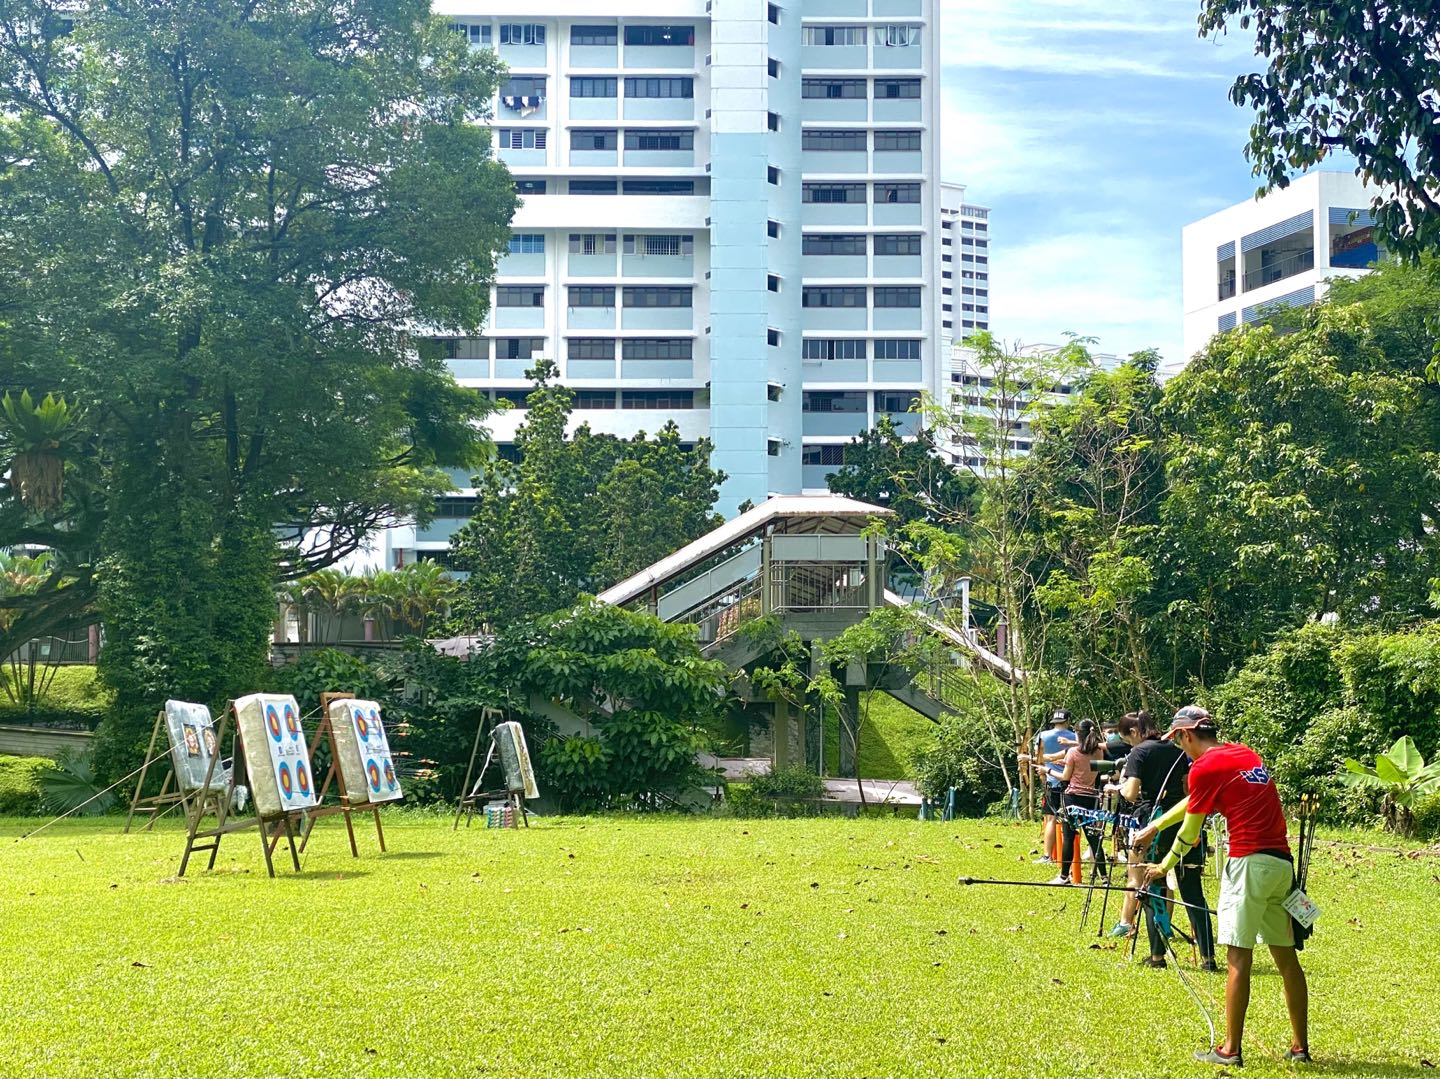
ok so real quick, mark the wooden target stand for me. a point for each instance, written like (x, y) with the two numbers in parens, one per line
(151, 804)
(472, 795)
(271, 828)
(324, 729)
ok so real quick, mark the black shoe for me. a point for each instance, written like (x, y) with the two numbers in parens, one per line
(1210, 967)
(1152, 961)
(1298, 1056)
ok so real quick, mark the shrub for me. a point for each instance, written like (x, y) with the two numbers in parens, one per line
(1426, 817)
(327, 670)
(962, 756)
(74, 699)
(791, 791)
(20, 791)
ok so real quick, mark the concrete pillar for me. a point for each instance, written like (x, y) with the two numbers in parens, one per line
(780, 726)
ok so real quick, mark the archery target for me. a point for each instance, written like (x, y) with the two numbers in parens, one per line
(191, 759)
(275, 753)
(363, 751)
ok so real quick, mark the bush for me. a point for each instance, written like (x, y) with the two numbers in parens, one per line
(20, 791)
(74, 699)
(791, 791)
(330, 669)
(962, 756)
(1427, 817)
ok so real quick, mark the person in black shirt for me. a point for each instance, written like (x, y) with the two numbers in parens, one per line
(1154, 779)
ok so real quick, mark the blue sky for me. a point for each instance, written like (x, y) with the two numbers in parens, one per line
(1095, 130)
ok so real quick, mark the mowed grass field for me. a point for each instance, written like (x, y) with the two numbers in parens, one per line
(660, 946)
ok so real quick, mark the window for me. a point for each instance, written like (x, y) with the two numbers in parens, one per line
(590, 348)
(465, 348)
(527, 243)
(832, 35)
(772, 337)
(832, 401)
(897, 296)
(822, 455)
(591, 296)
(832, 88)
(514, 398)
(592, 187)
(772, 174)
(529, 187)
(455, 506)
(594, 139)
(652, 296)
(895, 400)
(891, 89)
(659, 87)
(517, 87)
(897, 193)
(657, 399)
(908, 349)
(522, 138)
(833, 140)
(658, 348)
(518, 348)
(772, 121)
(595, 35)
(902, 243)
(662, 244)
(660, 140)
(773, 65)
(772, 282)
(592, 243)
(475, 34)
(833, 244)
(773, 14)
(832, 193)
(520, 296)
(772, 229)
(594, 398)
(897, 36)
(833, 348)
(832, 296)
(897, 140)
(522, 33)
(592, 86)
(660, 35)
(659, 187)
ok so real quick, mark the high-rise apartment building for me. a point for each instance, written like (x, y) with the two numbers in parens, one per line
(728, 221)
(1277, 251)
(964, 266)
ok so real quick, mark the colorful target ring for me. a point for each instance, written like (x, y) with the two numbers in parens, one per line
(302, 778)
(272, 721)
(287, 784)
(390, 780)
(292, 723)
(361, 727)
(373, 771)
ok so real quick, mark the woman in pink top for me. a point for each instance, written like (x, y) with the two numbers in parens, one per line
(1080, 790)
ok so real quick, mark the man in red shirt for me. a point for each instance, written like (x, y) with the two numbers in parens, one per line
(1232, 780)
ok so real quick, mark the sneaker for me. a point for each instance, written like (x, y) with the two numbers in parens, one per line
(1298, 1056)
(1044, 859)
(1210, 967)
(1214, 1056)
(1152, 961)
(1122, 929)
(1060, 878)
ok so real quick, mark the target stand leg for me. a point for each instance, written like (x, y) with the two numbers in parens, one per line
(267, 846)
(379, 831)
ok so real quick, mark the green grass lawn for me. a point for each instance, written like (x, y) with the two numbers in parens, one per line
(648, 947)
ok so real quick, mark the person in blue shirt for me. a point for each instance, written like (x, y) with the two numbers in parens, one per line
(1049, 751)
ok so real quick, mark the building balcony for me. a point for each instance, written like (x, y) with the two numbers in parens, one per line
(521, 158)
(834, 109)
(594, 56)
(823, 424)
(513, 368)
(898, 213)
(588, 213)
(833, 162)
(899, 109)
(590, 318)
(906, 423)
(834, 318)
(910, 57)
(833, 371)
(1289, 266)
(515, 113)
(523, 56)
(835, 9)
(657, 370)
(659, 266)
(582, 159)
(463, 369)
(657, 318)
(590, 265)
(577, 369)
(911, 266)
(899, 371)
(660, 108)
(899, 162)
(834, 57)
(832, 213)
(521, 264)
(847, 267)
(902, 8)
(660, 159)
(517, 318)
(1226, 288)
(440, 530)
(647, 57)
(898, 318)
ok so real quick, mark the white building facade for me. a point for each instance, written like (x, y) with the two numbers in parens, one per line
(728, 220)
(964, 266)
(1278, 251)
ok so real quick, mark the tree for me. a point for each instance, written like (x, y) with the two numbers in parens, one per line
(240, 233)
(1095, 480)
(577, 512)
(1401, 772)
(1302, 471)
(906, 475)
(1356, 76)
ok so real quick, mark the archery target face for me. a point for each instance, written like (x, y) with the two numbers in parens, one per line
(364, 751)
(275, 753)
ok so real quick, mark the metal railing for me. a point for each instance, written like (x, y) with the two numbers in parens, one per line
(1227, 288)
(1278, 271)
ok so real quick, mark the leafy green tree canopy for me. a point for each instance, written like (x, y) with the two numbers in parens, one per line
(1356, 76)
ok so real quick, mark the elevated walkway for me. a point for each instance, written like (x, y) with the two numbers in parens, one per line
(812, 567)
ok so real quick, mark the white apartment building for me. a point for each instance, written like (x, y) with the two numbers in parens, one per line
(728, 220)
(1272, 252)
(964, 266)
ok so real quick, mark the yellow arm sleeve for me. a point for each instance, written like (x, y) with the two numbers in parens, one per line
(1173, 815)
(1187, 838)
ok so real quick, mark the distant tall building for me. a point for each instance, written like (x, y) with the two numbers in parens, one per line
(964, 266)
(728, 220)
(1273, 252)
